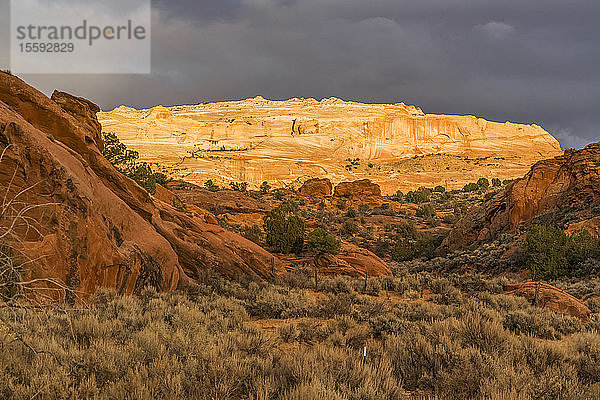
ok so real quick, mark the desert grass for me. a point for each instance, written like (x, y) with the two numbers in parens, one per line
(424, 338)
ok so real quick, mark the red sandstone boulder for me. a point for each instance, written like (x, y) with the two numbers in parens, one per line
(351, 261)
(362, 188)
(316, 188)
(363, 261)
(552, 298)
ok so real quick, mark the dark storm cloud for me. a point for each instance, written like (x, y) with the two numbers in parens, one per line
(526, 61)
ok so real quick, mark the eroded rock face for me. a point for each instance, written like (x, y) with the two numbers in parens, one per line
(284, 142)
(316, 187)
(563, 190)
(362, 261)
(85, 112)
(351, 261)
(359, 189)
(550, 297)
(82, 224)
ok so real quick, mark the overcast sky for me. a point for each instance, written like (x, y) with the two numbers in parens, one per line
(533, 61)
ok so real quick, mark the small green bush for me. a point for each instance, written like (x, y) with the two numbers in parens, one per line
(284, 229)
(426, 211)
(320, 241)
(126, 161)
(421, 195)
(265, 188)
(349, 228)
(483, 183)
(471, 187)
(210, 185)
(407, 250)
(239, 186)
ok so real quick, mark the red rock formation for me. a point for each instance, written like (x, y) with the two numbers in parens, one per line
(351, 261)
(84, 111)
(362, 188)
(547, 296)
(363, 261)
(567, 185)
(316, 188)
(84, 225)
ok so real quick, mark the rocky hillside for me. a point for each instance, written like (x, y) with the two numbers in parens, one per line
(77, 224)
(287, 142)
(564, 190)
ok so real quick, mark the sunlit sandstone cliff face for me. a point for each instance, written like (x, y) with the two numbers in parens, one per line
(286, 142)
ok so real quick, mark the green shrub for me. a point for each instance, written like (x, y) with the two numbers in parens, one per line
(471, 187)
(403, 250)
(496, 182)
(284, 229)
(421, 195)
(349, 228)
(582, 246)
(142, 174)
(483, 183)
(126, 161)
(426, 211)
(265, 188)
(545, 251)
(320, 242)
(210, 185)
(398, 196)
(406, 230)
(489, 195)
(550, 253)
(423, 246)
(239, 187)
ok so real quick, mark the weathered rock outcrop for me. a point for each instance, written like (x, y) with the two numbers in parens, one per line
(80, 225)
(563, 190)
(363, 188)
(229, 201)
(85, 112)
(284, 142)
(550, 297)
(316, 187)
(351, 261)
(362, 261)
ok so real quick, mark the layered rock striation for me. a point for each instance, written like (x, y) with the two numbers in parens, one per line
(287, 142)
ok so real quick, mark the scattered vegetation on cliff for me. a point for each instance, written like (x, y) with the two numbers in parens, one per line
(127, 162)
